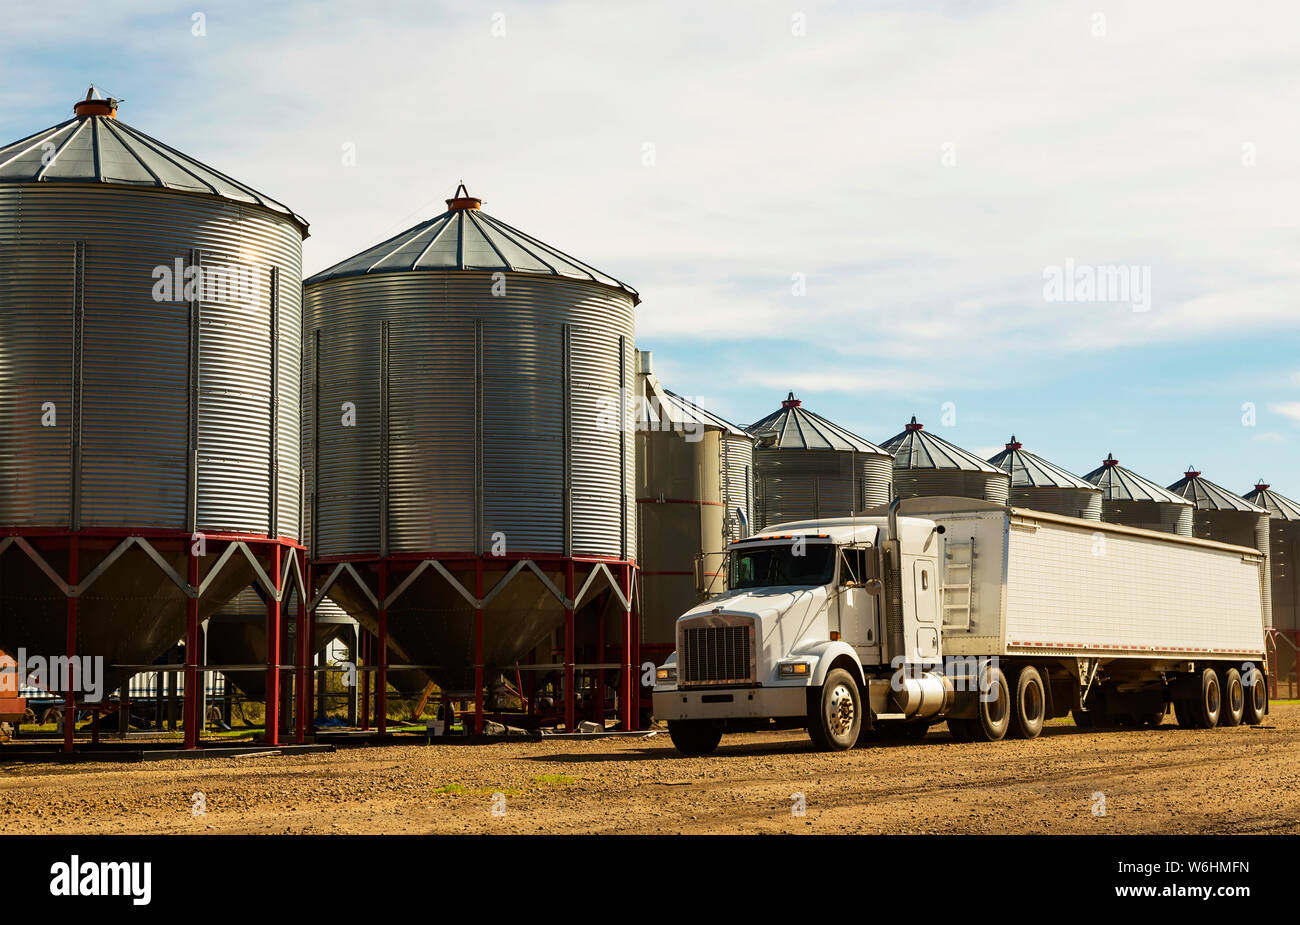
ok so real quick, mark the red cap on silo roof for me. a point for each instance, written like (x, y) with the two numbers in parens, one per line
(914, 426)
(463, 202)
(1110, 460)
(791, 402)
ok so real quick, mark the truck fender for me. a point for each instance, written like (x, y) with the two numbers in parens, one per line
(826, 653)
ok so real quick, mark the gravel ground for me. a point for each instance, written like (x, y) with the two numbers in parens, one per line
(1159, 780)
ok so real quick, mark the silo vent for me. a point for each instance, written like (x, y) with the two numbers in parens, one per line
(95, 105)
(1110, 460)
(465, 201)
(1261, 485)
(1013, 444)
(1191, 473)
(791, 402)
(915, 426)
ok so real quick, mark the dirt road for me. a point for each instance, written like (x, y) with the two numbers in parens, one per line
(1163, 780)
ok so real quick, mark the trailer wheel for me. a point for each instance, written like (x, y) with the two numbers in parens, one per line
(1029, 706)
(1256, 695)
(1234, 698)
(694, 736)
(993, 716)
(835, 712)
(1207, 708)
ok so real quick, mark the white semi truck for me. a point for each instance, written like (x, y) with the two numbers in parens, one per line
(990, 618)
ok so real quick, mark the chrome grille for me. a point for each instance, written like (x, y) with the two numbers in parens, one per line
(717, 654)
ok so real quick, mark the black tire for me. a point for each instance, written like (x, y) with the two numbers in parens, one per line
(960, 730)
(835, 712)
(1085, 719)
(1208, 707)
(694, 736)
(1153, 719)
(993, 714)
(1234, 698)
(1256, 697)
(899, 731)
(1028, 705)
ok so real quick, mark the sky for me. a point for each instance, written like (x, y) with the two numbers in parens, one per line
(1074, 222)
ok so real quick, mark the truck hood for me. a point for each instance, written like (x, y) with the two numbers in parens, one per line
(792, 604)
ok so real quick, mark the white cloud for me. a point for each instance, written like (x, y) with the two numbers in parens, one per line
(1288, 409)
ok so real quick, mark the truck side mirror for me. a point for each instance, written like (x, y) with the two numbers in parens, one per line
(874, 586)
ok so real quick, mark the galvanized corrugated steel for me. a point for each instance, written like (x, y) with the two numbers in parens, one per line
(793, 427)
(464, 238)
(797, 484)
(926, 464)
(1283, 532)
(481, 407)
(146, 435)
(1044, 486)
(807, 467)
(1128, 498)
(104, 150)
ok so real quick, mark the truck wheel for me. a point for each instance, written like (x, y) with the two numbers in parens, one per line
(993, 715)
(694, 736)
(1029, 705)
(1234, 698)
(1207, 708)
(1256, 699)
(835, 713)
(960, 730)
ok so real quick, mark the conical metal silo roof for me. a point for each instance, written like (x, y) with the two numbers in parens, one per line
(1028, 470)
(915, 448)
(1279, 507)
(467, 238)
(1120, 484)
(1207, 496)
(95, 147)
(668, 410)
(793, 427)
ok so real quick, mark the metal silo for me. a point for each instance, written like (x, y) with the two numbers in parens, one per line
(1284, 566)
(1044, 486)
(694, 471)
(1221, 515)
(1129, 499)
(927, 465)
(469, 455)
(150, 314)
(806, 467)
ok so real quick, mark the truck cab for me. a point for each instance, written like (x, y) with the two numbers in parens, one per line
(830, 625)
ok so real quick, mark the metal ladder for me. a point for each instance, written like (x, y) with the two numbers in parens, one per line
(958, 583)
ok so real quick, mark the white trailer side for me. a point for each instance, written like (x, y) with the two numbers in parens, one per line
(1048, 585)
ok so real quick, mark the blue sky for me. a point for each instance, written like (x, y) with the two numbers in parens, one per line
(919, 166)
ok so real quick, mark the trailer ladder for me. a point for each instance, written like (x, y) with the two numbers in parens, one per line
(958, 583)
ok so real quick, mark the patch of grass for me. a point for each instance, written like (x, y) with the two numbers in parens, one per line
(553, 780)
(450, 788)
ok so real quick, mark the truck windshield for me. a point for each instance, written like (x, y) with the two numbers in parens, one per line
(770, 566)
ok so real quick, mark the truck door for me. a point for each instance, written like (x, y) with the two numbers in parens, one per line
(926, 589)
(857, 607)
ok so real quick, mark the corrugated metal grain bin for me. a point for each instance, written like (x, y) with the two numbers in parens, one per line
(1129, 499)
(150, 313)
(1044, 486)
(807, 467)
(1284, 555)
(468, 397)
(926, 464)
(1221, 515)
(693, 473)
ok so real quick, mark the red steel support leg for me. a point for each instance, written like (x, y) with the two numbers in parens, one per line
(303, 691)
(273, 654)
(478, 649)
(629, 683)
(636, 649)
(381, 682)
(364, 637)
(193, 695)
(570, 695)
(70, 695)
(311, 649)
(598, 706)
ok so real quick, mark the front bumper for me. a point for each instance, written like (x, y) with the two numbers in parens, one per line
(731, 703)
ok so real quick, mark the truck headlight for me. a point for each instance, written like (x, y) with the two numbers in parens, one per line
(793, 670)
(666, 673)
